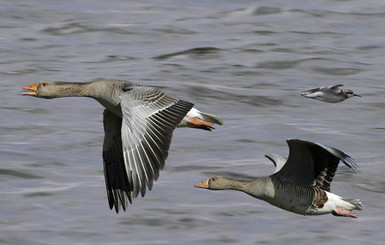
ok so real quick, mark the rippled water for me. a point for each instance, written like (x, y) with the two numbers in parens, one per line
(244, 61)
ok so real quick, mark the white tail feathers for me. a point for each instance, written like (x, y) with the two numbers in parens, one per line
(211, 118)
(356, 202)
(207, 118)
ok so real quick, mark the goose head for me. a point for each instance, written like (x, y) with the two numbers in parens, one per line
(51, 90)
(46, 90)
(215, 183)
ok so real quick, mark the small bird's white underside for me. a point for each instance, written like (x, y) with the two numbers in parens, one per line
(327, 97)
(315, 94)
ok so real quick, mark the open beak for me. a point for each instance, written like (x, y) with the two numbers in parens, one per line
(33, 88)
(203, 184)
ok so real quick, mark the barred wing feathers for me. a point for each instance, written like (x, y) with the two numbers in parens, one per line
(149, 119)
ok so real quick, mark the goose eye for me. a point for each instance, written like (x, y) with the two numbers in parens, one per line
(213, 179)
(44, 84)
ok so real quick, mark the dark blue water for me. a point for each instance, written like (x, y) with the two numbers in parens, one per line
(244, 61)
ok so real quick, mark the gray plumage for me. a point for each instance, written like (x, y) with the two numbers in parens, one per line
(141, 146)
(301, 184)
(138, 124)
(330, 94)
(312, 164)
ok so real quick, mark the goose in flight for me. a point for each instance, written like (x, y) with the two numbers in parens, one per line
(138, 125)
(300, 184)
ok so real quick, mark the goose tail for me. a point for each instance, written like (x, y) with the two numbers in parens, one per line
(211, 118)
(356, 203)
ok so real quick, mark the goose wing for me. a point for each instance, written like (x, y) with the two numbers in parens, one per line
(115, 174)
(278, 161)
(312, 164)
(149, 118)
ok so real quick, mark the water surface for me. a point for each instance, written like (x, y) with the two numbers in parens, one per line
(245, 61)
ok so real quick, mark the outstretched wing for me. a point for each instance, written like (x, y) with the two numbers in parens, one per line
(336, 86)
(149, 118)
(312, 164)
(115, 174)
(314, 91)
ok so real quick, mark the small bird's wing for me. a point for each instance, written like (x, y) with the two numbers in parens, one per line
(149, 118)
(309, 92)
(312, 164)
(336, 86)
(277, 160)
(312, 90)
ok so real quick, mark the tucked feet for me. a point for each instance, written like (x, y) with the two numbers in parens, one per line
(338, 211)
(196, 122)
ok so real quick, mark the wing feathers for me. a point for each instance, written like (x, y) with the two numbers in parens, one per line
(336, 86)
(114, 170)
(312, 164)
(136, 147)
(149, 118)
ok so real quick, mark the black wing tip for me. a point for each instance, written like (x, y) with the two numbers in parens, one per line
(185, 104)
(349, 161)
(346, 159)
(117, 201)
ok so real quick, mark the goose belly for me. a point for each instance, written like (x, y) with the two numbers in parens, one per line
(293, 199)
(302, 200)
(292, 204)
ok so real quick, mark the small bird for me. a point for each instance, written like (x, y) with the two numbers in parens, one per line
(138, 125)
(330, 94)
(301, 182)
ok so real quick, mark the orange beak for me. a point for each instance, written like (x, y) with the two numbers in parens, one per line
(33, 88)
(203, 184)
